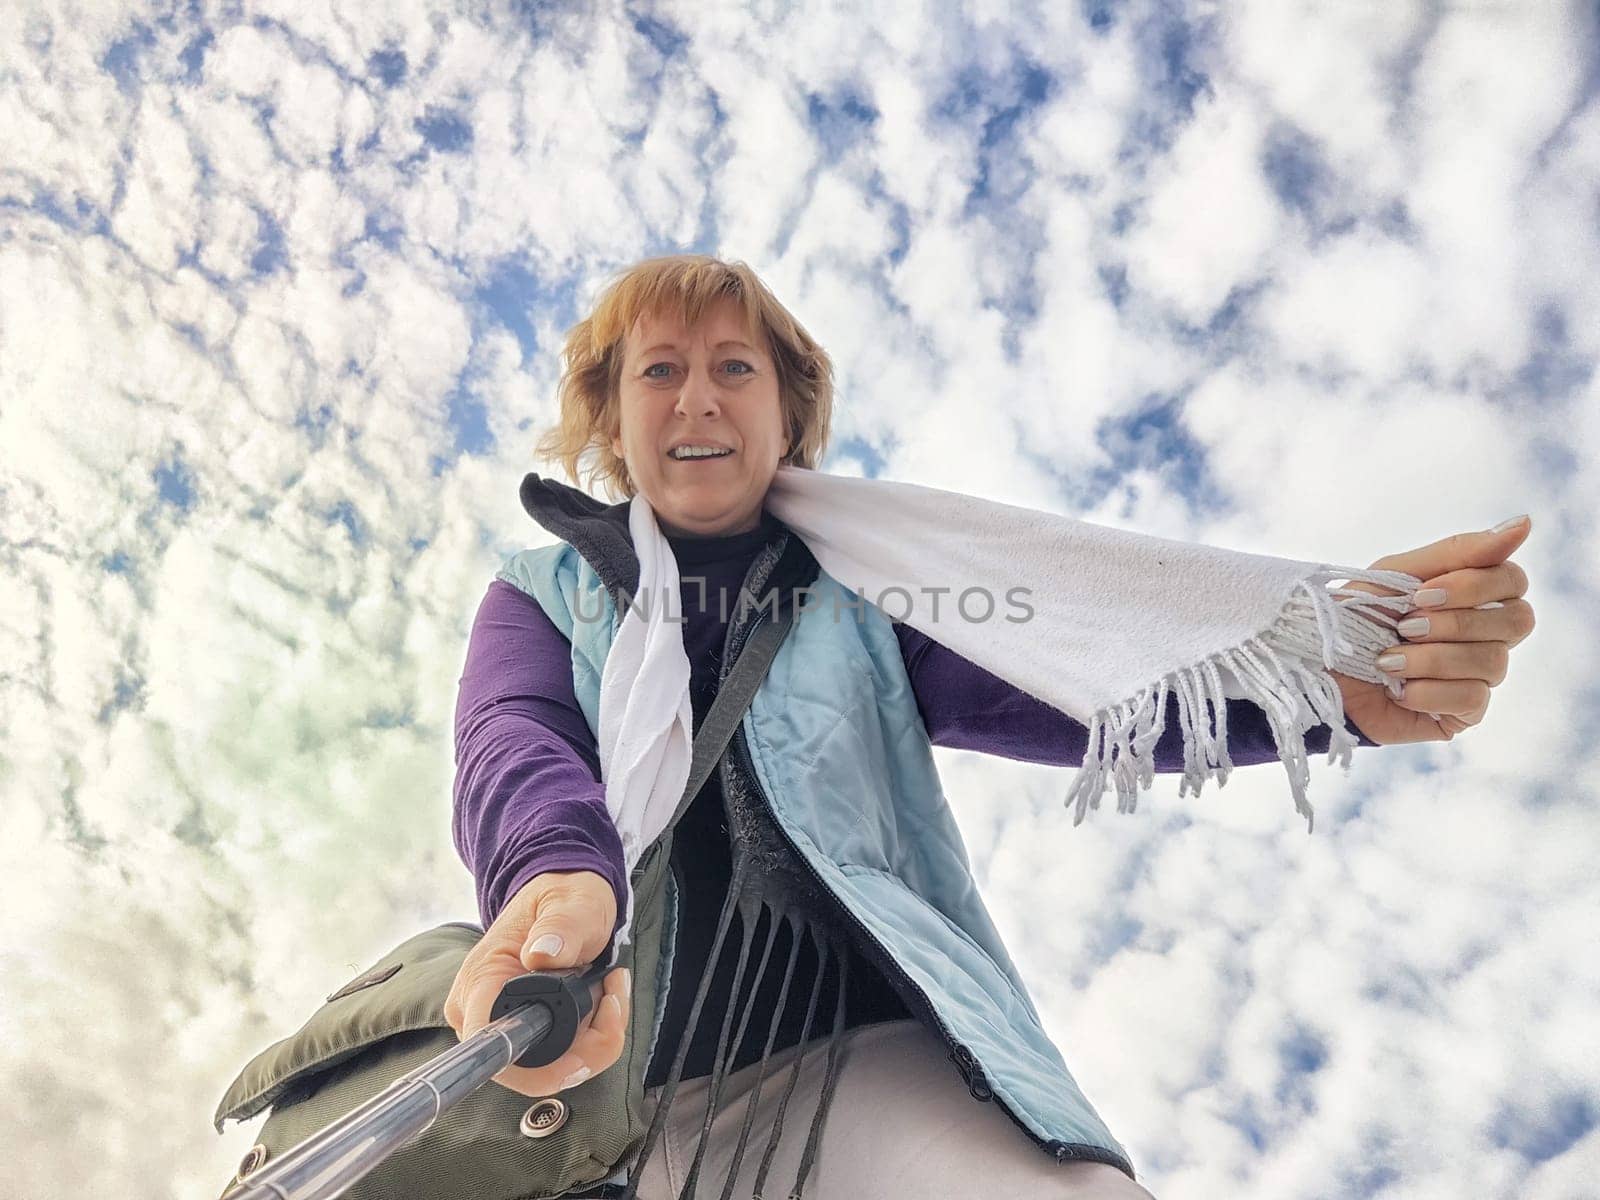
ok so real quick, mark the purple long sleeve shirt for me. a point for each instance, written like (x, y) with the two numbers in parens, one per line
(528, 796)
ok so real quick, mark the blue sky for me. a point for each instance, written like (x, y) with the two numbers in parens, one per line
(282, 291)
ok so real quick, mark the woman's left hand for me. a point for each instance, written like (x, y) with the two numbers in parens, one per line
(1451, 666)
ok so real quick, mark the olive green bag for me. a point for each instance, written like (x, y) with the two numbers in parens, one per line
(390, 1019)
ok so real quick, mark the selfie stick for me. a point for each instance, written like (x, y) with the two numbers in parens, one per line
(532, 1023)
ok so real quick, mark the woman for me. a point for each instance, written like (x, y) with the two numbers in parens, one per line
(683, 353)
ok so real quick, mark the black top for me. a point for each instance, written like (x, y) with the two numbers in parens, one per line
(702, 862)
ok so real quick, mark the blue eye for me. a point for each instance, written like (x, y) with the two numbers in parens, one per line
(740, 361)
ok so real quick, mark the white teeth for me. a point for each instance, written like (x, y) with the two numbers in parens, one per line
(698, 452)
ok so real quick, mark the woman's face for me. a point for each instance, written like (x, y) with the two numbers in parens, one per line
(700, 386)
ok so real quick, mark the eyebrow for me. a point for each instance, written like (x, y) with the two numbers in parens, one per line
(673, 346)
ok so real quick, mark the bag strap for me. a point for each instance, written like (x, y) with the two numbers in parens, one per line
(733, 698)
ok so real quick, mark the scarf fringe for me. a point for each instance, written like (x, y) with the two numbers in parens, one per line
(796, 931)
(669, 1088)
(749, 910)
(1284, 670)
(746, 901)
(803, 1045)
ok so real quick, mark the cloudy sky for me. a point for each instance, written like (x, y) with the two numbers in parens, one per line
(282, 287)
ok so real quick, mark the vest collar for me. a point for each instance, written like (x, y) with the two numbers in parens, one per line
(596, 530)
(599, 532)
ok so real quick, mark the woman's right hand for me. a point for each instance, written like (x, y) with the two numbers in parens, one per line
(580, 908)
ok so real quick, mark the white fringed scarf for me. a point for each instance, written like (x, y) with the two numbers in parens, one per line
(1117, 620)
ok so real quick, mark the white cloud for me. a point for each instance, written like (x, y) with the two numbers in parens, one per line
(211, 817)
(1209, 197)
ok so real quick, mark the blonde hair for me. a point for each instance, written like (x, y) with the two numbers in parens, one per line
(685, 286)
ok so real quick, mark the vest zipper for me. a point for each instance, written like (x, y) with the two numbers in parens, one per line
(977, 1081)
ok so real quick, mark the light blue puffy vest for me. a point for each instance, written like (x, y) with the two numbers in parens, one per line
(842, 755)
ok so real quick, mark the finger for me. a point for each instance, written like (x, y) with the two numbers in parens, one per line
(452, 1009)
(1472, 586)
(619, 994)
(455, 1004)
(1487, 662)
(480, 980)
(548, 1079)
(564, 934)
(609, 1017)
(1509, 623)
(1447, 697)
(1456, 552)
(598, 1044)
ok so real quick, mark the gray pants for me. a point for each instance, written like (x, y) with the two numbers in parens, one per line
(901, 1124)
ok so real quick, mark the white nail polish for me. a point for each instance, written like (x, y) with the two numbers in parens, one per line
(549, 944)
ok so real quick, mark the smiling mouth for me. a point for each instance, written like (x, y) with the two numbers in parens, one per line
(701, 458)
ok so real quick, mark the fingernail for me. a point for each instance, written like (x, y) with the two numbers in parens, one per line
(575, 1078)
(1430, 598)
(627, 979)
(1511, 524)
(1414, 627)
(550, 943)
(1391, 662)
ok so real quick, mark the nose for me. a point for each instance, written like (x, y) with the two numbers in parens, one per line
(697, 397)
